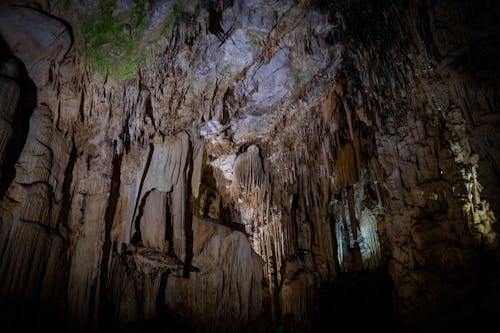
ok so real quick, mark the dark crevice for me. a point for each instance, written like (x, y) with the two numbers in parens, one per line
(225, 218)
(125, 136)
(20, 127)
(161, 305)
(188, 215)
(58, 115)
(356, 302)
(210, 198)
(67, 197)
(89, 161)
(168, 223)
(105, 307)
(276, 305)
(144, 174)
(333, 238)
(88, 324)
(81, 108)
(137, 237)
(227, 101)
(149, 109)
(51, 74)
(214, 22)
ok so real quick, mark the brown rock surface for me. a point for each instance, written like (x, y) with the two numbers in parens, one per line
(267, 151)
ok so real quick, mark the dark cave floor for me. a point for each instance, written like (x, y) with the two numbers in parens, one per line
(355, 302)
(361, 302)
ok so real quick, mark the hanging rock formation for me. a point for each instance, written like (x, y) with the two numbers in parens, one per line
(211, 166)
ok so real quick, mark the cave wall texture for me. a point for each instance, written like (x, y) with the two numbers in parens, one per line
(214, 164)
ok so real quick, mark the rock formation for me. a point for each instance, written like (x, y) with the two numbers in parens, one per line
(211, 166)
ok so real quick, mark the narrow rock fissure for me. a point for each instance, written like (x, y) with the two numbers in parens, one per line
(105, 307)
(137, 236)
(188, 215)
(136, 223)
(66, 187)
(168, 223)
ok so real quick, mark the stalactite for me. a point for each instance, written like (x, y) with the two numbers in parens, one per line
(323, 145)
(247, 172)
(347, 166)
(354, 227)
(198, 159)
(370, 245)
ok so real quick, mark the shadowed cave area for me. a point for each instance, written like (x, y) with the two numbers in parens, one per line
(249, 165)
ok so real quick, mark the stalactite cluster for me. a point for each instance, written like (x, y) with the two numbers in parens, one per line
(266, 152)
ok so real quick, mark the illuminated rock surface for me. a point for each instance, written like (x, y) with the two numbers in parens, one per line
(210, 166)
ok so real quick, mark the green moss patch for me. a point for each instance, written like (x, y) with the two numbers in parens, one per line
(117, 44)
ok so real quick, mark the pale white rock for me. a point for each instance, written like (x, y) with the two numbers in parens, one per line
(251, 127)
(198, 162)
(225, 164)
(269, 83)
(238, 52)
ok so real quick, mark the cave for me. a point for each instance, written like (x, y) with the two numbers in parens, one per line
(249, 165)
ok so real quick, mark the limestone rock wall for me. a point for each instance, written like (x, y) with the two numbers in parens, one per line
(268, 148)
(10, 96)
